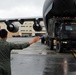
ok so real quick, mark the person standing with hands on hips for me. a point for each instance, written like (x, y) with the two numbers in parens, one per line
(5, 51)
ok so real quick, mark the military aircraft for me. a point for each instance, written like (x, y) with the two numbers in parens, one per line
(60, 21)
(12, 27)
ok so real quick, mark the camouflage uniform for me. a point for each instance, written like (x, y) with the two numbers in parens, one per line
(5, 49)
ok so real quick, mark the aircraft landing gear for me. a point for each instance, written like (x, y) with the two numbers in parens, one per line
(59, 48)
(42, 40)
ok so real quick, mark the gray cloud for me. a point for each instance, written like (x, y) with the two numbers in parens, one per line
(21, 8)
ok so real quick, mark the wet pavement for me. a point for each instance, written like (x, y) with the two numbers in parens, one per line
(23, 64)
(39, 60)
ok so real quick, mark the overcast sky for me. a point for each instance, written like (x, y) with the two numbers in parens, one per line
(21, 8)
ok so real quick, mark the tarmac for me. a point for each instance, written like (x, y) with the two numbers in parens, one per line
(38, 59)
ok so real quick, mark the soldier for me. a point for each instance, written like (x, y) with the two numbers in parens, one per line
(5, 50)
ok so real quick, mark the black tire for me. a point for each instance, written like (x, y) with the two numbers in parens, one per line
(42, 40)
(58, 47)
(51, 45)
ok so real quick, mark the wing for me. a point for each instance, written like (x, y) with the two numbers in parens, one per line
(12, 27)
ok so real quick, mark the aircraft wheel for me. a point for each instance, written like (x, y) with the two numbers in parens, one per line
(51, 44)
(58, 47)
(42, 40)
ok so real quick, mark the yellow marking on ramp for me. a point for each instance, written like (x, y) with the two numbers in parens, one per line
(73, 52)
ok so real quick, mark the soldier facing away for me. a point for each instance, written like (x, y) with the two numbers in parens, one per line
(5, 51)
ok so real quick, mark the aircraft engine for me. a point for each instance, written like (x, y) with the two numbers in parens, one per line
(37, 26)
(12, 27)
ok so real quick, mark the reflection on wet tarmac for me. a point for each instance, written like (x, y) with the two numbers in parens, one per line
(60, 66)
(43, 64)
(38, 60)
